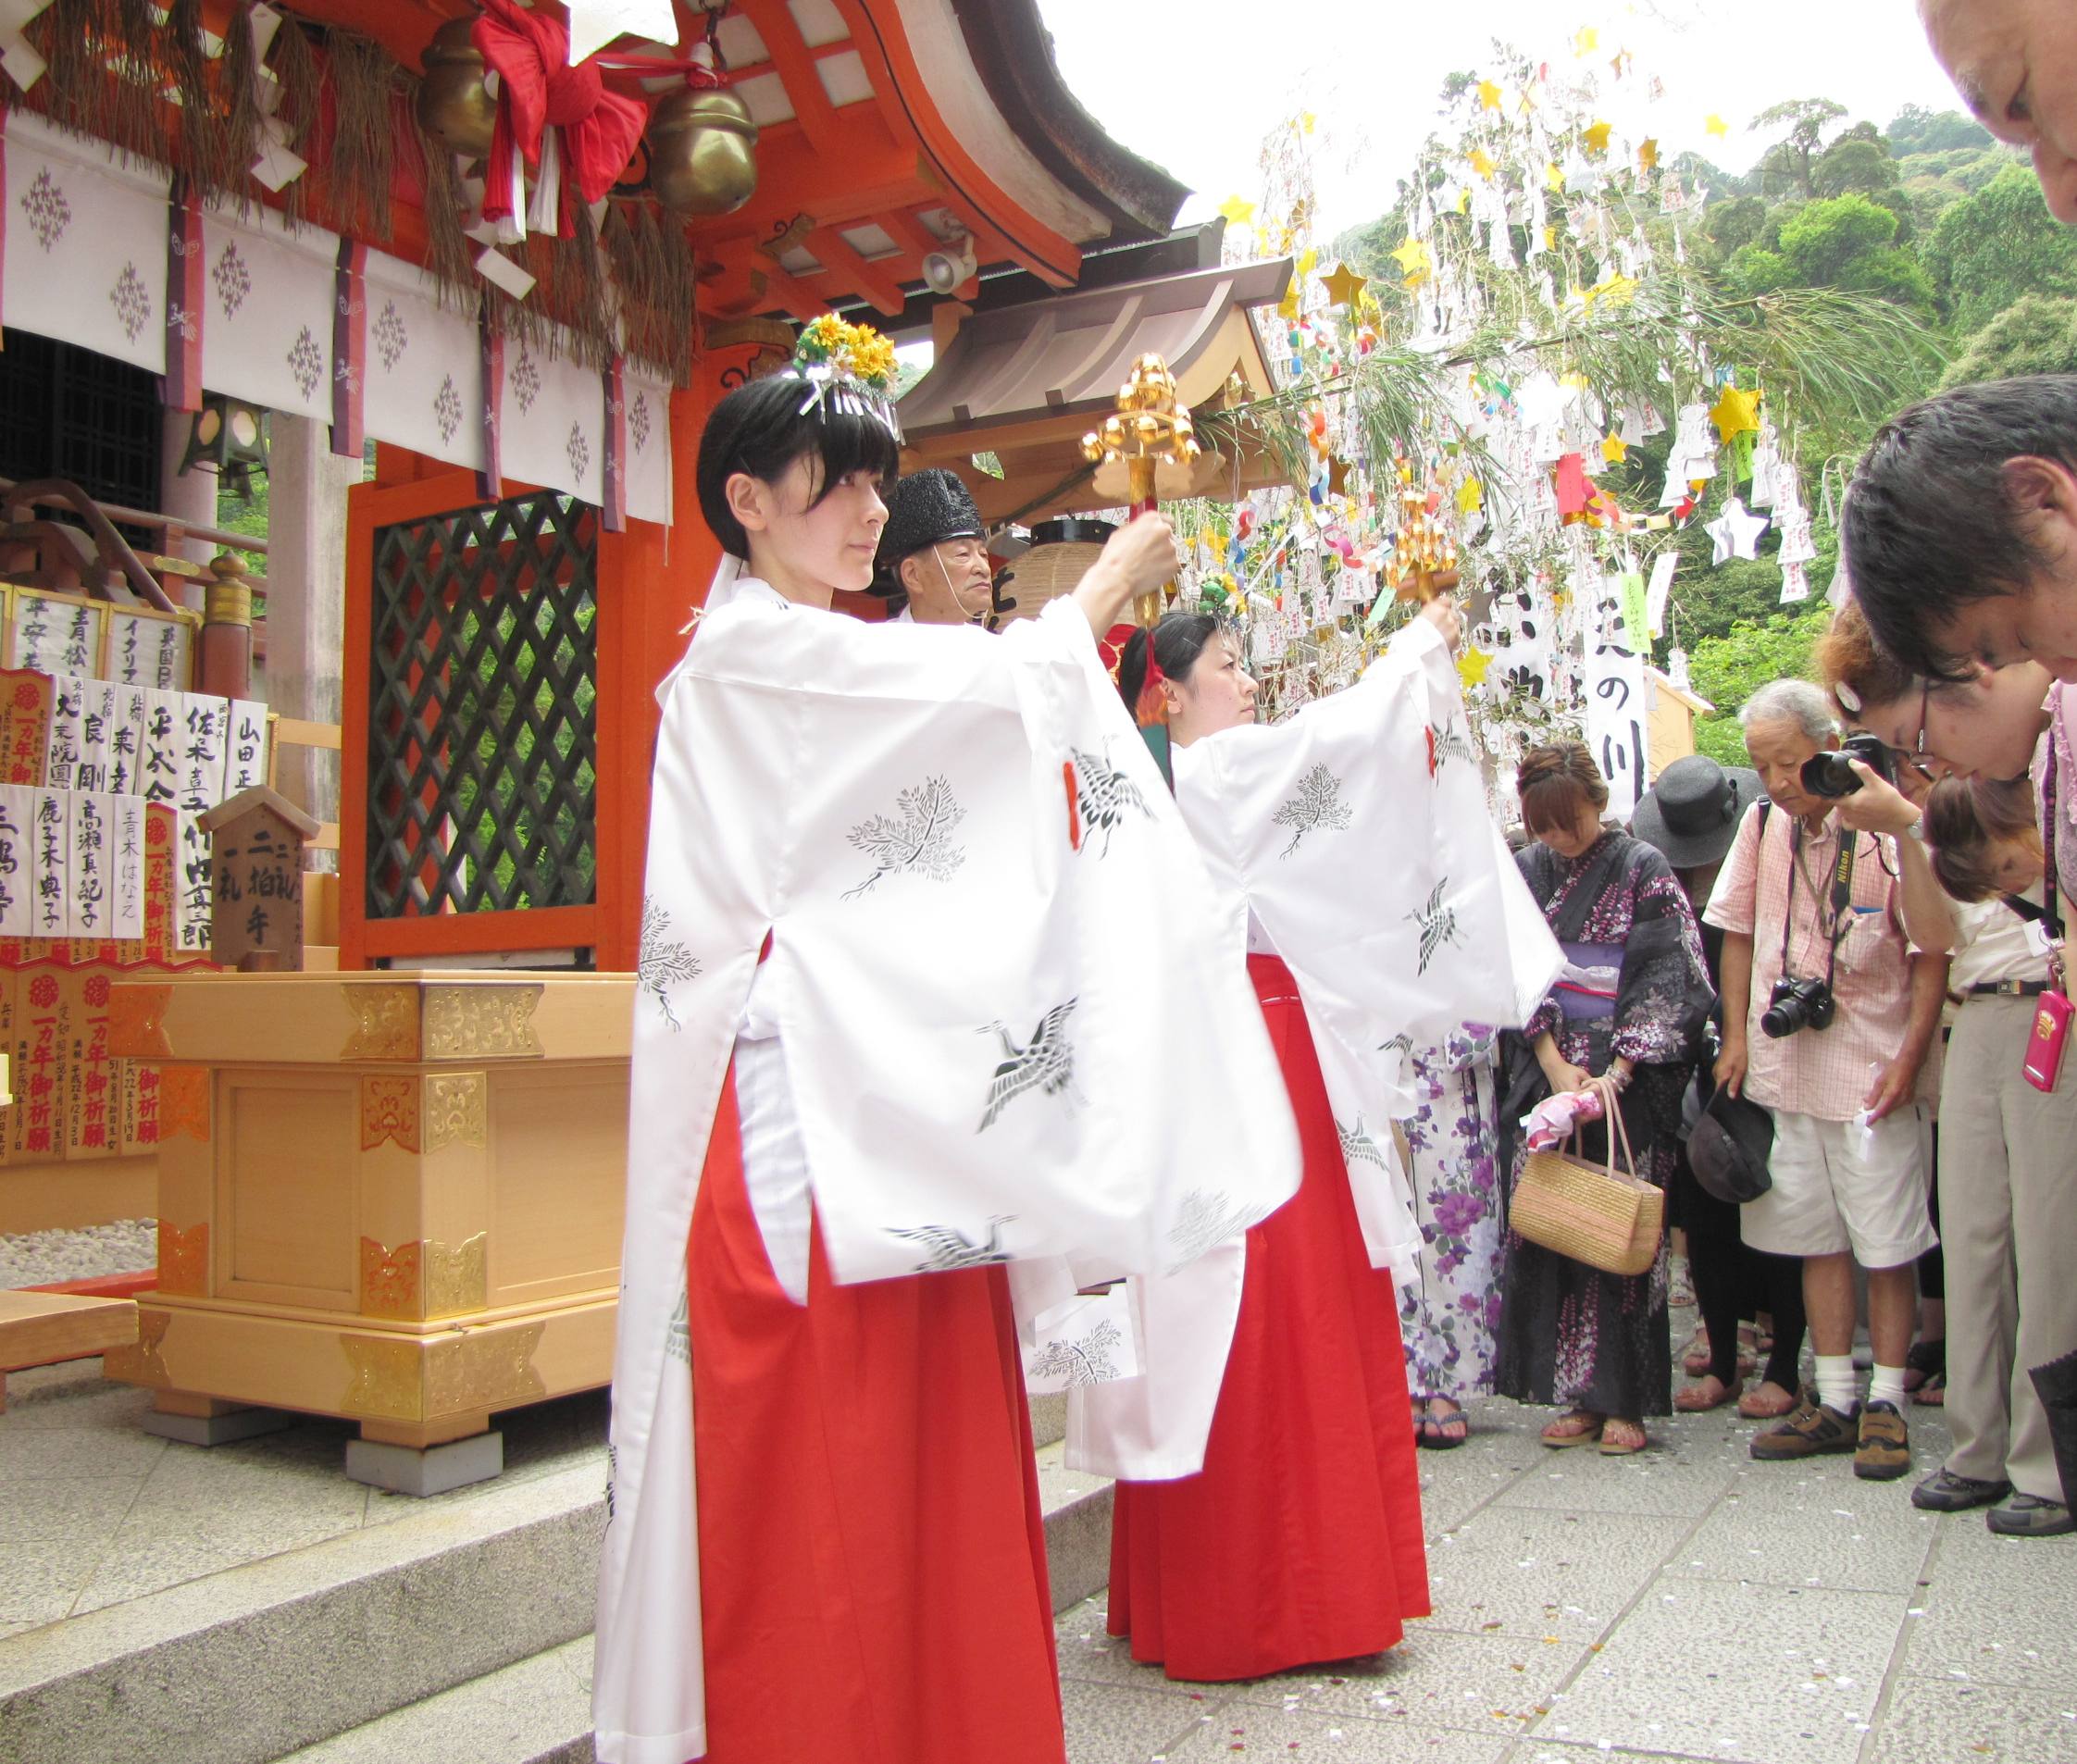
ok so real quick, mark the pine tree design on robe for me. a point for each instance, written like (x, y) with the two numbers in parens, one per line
(1081, 1360)
(916, 839)
(1045, 1064)
(663, 962)
(947, 1246)
(1104, 798)
(1207, 1216)
(1438, 923)
(1317, 806)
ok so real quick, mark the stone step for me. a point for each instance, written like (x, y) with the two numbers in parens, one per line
(319, 1650)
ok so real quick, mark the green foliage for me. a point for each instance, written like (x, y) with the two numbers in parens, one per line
(1790, 162)
(1848, 241)
(1998, 245)
(1728, 670)
(1917, 129)
(2037, 334)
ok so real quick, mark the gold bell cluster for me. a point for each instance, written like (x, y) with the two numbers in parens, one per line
(1423, 560)
(700, 143)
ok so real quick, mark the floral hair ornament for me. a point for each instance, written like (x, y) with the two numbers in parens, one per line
(848, 367)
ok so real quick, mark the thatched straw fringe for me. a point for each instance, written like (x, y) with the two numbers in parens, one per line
(241, 120)
(303, 98)
(79, 39)
(215, 163)
(362, 160)
(653, 270)
(450, 258)
(573, 289)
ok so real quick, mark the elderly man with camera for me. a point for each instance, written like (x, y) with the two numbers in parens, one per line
(1827, 1019)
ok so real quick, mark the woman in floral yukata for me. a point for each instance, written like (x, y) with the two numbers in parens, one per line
(1621, 1018)
(1447, 1317)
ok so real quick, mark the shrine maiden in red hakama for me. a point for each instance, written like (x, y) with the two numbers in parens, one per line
(1371, 901)
(968, 1046)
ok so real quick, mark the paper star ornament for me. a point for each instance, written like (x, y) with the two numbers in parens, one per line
(1553, 177)
(1596, 137)
(1617, 289)
(1415, 260)
(1615, 450)
(1489, 95)
(1472, 666)
(1585, 40)
(1648, 154)
(1337, 477)
(1735, 532)
(1714, 124)
(1736, 412)
(1471, 496)
(1483, 163)
(1237, 212)
(1344, 286)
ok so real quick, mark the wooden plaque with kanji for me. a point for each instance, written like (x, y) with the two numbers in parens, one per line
(256, 875)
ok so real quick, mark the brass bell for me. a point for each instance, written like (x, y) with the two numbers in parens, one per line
(702, 152)
(454, 108)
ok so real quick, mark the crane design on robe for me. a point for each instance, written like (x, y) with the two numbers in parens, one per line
(1104, 798)
(947, 1246)
(1045, 1062)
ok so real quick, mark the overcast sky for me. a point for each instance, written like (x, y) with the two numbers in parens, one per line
(1195, 85)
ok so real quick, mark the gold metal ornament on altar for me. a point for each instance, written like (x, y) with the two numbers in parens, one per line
(455, 106)
(702, 152)
(1152, 424)
(1423, 560)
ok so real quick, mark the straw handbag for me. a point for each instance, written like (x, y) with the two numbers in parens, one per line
(1608, 1218)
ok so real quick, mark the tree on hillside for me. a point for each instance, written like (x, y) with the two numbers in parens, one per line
(2035, 335)
(1841, 242)
(1917, 129)
(1790, 161)
(2000, 245)
(1728, 670)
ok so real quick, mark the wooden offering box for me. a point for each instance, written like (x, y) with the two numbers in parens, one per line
(394, 1198)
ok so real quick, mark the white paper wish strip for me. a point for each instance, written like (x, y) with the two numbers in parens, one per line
(17, 917)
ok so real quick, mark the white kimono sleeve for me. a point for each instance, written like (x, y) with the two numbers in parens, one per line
(988, 930)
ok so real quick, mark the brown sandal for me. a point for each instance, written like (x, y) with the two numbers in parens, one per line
(1626, 1446)
(1587, 1433)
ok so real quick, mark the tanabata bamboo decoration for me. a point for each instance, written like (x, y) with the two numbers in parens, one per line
(1150, 426)
(1423, 560)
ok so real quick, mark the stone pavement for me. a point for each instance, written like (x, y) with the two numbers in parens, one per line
(1684, 1604)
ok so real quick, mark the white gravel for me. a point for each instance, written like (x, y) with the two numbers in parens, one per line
(41, 1258)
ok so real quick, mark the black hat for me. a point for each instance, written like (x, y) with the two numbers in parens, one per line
(1691, 814)
(925, 509)
(1729, 1142)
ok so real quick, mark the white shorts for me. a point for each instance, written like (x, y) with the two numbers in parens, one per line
(1830, 1194)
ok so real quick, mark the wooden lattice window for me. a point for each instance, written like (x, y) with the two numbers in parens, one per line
(482, 735)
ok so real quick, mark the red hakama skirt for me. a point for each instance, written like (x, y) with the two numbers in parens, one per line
(872, 1558)
(1301, 1540)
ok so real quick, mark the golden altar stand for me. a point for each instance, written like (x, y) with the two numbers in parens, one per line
(394, 1198)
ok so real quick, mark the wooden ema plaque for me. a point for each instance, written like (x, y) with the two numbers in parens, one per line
(255, 881)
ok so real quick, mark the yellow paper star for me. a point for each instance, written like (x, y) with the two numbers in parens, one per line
(1596, 137)
(1714, 125)
(1623, 63)
(1464, 202)
(1553, 177)
(1415, 260)
(1736, 412)
(1483, 164)
(1489, 95)
(1308, 263)
(1306, 120)
(1617, 289)
(1237, 212)
(1550, 238)
(1615, 450)
(1287, 308)
(1586, 41)
(1648, 154)
(1344, 286)
(1471, 496)
(1472, 665)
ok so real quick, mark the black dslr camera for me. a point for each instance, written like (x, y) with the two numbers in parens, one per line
(1828, 775)
(1799, 1004)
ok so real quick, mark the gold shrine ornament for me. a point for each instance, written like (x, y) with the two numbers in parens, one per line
(1150, 425)
(1423, 560)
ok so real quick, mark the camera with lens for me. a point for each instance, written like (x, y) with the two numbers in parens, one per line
(1829, 774)
(1798, 1004)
